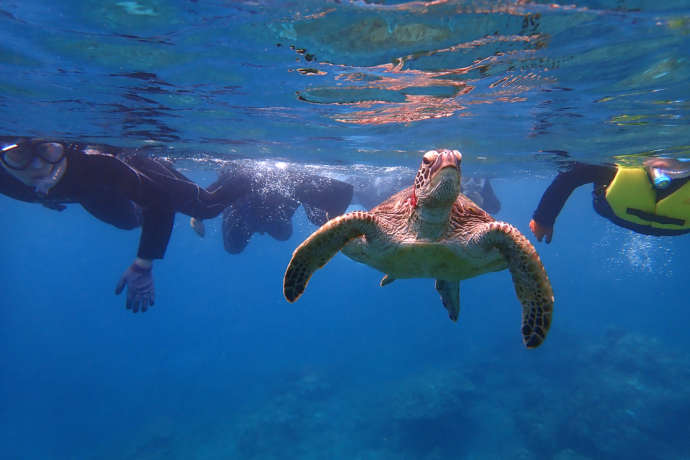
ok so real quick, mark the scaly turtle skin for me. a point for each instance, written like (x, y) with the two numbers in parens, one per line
(431, 230)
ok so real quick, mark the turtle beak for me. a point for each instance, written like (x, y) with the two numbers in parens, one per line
(447, 159)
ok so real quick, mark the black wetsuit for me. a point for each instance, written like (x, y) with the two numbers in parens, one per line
(128, 192)
(275, 194)
(600, 176)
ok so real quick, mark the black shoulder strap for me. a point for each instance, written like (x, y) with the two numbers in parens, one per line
(654, 217)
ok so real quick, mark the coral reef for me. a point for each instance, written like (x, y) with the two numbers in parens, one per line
(623, 397)
(627, 399)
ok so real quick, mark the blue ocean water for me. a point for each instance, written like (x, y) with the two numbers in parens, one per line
(223, 367)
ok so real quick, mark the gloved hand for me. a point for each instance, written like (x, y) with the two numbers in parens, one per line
(540, 231)
(140, 290)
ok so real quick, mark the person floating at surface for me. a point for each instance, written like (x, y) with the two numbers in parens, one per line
(276, 191)
(126, 190)
(653, 199)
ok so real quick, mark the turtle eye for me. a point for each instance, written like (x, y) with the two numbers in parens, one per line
(429, 157)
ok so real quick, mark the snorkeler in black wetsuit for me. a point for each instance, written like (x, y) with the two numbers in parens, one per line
(276, 190)
(652, 199)
(123, 190)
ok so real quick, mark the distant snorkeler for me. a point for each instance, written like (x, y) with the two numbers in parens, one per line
(124, 189)
(652, 199)
(275, 192)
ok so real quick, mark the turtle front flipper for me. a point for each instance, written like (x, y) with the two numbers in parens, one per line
(532, 285)
(321, 246)
(450, 296)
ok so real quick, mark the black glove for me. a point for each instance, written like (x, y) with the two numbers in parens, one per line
(140, 291)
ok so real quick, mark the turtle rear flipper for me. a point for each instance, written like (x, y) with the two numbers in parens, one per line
(531, 283)
(321, 246)
(450, 296)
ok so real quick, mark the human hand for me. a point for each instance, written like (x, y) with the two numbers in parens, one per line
(198, 226)
(139, 282)
(540, 231)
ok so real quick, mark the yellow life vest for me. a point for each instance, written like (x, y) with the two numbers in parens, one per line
(632, 198)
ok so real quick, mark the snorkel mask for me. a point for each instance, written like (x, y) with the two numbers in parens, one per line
(37, 164)
(664, 170)
(660, 178)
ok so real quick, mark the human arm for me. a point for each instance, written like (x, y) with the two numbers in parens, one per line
(556, 195)
(99, 177)
(156, 227)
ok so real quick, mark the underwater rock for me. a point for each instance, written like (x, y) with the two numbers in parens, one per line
(311, 386)
(297, 416)
(622, 397)
(156, 440)
(155, 448)
(428, 414)
(569, 454)
(431, 394)
(627, 398)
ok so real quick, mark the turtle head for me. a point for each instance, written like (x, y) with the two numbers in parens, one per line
(437, 183)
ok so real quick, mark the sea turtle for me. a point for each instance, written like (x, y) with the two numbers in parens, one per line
(431, 230)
